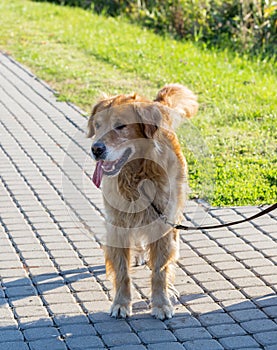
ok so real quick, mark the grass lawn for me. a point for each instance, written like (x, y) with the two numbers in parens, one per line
(231, 144)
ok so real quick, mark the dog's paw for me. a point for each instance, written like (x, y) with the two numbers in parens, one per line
(163, 312)
(120, 311)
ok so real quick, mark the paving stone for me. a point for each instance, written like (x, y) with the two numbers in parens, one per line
(208, 277)
(269, 269)
(247, 315)
(157, 335)
(207, 344)
(92, 295)
(262, 325)
(199, 268)
(219, 257)
(271, 311)
(270, 347)
(237, 342)
(203, 308)
(165, 346)
(41, 333)
(46, 344)
(236, 273)
(99, 316)
(34, 322)
(9, 282)
(116, 339)
(8, 335)
(271, 280)
(226, 330)
(84, 342)
(256, 264)
(185, 334)
(217, 286)
(113, 326)
(65, 309)
(248, 282)
(266, 338)
(130, 347)
(60, 298)
(20, 291)
(254, 292)
(237, 304)
(181, 322)
(30, 310)
(51, 266)
(222, 295)
(50, 288)
(267, 300)
(195, 299)
(64, 320)
(15, 346)
(216, 319)
(72, 330)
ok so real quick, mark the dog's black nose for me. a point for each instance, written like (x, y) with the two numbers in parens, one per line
(98, 149)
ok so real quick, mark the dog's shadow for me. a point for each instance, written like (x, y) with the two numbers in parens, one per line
(94, 326)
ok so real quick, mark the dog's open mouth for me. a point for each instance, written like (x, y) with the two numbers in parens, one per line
(109, 168)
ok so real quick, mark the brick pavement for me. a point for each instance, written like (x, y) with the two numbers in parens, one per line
(53, 290)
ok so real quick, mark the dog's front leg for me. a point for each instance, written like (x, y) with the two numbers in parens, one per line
(162, 254)
(117, 263)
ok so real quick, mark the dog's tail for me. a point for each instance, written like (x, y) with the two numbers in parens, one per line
(179, 98)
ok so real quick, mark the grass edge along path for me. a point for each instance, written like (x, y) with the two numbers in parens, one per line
(230, 145)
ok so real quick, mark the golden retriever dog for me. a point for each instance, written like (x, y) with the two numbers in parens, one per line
(142, 173)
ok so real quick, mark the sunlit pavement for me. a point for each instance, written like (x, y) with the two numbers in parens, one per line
(54, 293)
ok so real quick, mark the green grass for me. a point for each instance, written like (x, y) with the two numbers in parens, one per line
(231, 144)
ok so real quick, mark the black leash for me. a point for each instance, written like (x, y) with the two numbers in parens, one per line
(191, 228)
(263, 212)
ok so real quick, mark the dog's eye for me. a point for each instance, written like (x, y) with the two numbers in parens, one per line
(119, 126)
(96, 125)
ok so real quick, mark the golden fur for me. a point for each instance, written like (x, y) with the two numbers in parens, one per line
(146, 130)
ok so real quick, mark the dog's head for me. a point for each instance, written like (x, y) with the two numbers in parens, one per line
(115, 124)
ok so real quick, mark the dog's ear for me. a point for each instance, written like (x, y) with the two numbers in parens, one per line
(91, 130)
(100, 105)
(149, 117)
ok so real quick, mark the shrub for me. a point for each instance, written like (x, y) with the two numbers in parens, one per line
(245, 25)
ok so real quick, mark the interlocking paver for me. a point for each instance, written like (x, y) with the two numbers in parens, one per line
(53, 289)
(131, 347)
(223, 330)
(84, 342)
(8, 335)
(247, 315)
(183, 322)
(112, 327)
(271, 311)
(236, 342)
(216, 319)
(222, 295)
(156, 336)
(185, 334)
(15, 346)
(45, 344)
(266, 338)
(202, 344)
(72, 330)
(32, 334)
(257, 326)
(256, 291)
(116, 339)
(165, 346)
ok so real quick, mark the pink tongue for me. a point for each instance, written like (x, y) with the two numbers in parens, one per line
(98, 174)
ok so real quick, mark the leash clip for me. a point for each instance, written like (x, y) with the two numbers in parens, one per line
(164, 219)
